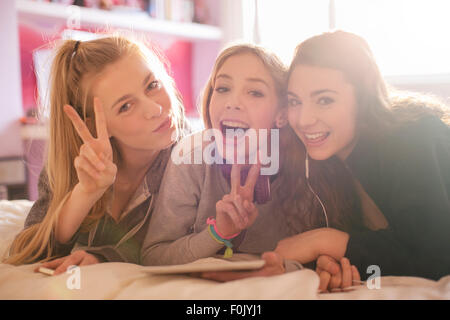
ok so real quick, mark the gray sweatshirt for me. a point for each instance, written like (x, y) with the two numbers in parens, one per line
(177, 232)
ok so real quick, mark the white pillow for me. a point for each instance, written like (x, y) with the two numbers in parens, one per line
(12, 218)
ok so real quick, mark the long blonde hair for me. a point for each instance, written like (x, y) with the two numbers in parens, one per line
(74, 64)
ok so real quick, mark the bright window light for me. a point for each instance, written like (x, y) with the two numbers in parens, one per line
(408, 37)
(285, 23)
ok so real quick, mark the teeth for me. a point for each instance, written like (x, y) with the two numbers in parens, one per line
(235, 124)
(314, 136)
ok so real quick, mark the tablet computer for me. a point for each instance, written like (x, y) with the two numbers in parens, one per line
(207, 265)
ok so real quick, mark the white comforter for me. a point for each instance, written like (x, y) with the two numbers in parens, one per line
(129, 281)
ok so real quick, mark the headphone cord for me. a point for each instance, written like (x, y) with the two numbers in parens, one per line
(315, 194)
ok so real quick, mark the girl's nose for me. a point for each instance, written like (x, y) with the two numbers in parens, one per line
(306, 118)
(153, 111)
(236, 107)
(234, 101)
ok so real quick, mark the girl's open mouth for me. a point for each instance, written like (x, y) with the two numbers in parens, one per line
(315, 139)
(233, 128)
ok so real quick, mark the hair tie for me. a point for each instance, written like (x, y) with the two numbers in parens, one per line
(75, 48)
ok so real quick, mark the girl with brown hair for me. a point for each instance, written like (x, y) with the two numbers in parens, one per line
(397, 146)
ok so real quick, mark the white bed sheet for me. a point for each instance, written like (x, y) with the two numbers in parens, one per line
(129, 281)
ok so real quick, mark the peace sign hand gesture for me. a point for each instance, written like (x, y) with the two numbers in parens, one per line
(236, 211)
(94, 166)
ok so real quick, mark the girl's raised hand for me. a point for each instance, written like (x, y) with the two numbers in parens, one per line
(247, 191)
(94, 166)
(236, 211)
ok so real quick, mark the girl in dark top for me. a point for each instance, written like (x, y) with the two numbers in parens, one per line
(396, 147)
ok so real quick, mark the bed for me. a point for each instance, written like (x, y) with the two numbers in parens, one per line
(129, 281)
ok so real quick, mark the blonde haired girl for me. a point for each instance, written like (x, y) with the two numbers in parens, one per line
(114, 115)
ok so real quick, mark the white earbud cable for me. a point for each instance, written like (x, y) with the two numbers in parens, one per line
(310, 188)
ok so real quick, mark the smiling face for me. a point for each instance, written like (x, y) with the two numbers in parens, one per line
(322, 111)
(243, 97)
(137, 106)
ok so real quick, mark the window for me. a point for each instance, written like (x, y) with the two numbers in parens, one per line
(408, 37)
(282, 24)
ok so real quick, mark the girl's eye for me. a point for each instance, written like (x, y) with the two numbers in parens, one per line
(256, 93)
(294, 103)
(125, 107)
(325, 101)
(154, 85)
(222, 89)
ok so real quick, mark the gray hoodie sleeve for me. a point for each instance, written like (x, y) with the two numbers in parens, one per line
(171, 236)
(39, 210)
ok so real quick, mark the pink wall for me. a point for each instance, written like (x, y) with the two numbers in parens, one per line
(32, 37)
